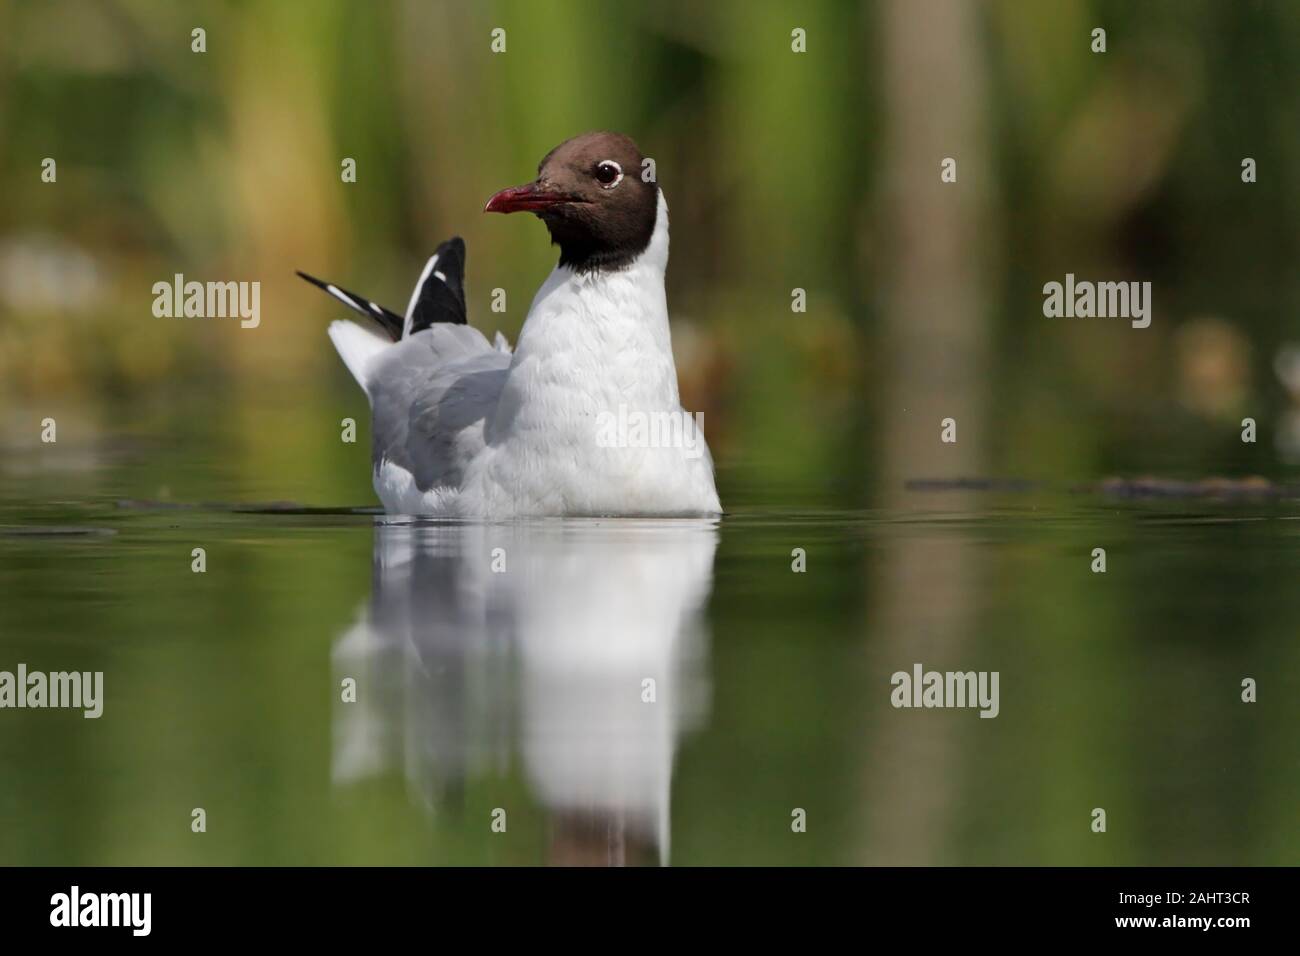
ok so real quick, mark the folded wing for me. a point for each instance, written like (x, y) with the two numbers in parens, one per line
(431, 394)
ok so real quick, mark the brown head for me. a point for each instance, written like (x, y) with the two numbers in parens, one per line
(590, 193)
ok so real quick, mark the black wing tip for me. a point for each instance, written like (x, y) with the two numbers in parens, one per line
(451, 263)
(441, 299)
(389, 321)
(451, 258)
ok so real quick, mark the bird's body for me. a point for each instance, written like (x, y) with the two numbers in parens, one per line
(466, 428)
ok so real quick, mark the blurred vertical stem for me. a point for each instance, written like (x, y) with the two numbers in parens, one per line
(936, 361)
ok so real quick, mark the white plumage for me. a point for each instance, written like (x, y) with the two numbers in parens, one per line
(463, 428)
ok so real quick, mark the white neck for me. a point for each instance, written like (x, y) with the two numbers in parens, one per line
(598, 338)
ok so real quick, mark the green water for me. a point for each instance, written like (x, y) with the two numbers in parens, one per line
(503, 668)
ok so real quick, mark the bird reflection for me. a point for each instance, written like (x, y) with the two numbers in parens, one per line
(577, 647)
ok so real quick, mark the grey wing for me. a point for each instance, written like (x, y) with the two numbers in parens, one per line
(430, 394)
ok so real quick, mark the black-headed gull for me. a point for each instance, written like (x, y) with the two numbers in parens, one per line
(583, 417)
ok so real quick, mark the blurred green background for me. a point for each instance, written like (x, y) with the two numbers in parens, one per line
(817, 171)
(782, 170)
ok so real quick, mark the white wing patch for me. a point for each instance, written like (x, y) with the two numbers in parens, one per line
(415, 293)
(345, 298)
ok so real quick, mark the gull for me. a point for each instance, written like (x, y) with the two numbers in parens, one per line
(466, 428)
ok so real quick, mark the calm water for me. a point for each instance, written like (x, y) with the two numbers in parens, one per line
(505, 668)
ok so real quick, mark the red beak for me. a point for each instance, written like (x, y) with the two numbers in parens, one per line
(528, 198)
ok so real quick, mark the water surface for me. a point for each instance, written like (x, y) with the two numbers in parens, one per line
(503, 673)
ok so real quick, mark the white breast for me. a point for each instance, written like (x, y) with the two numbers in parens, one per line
(595, 349)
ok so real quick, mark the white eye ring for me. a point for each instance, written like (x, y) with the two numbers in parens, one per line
(617, 179)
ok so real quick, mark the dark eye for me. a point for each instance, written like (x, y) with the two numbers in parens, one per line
(608, 173)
